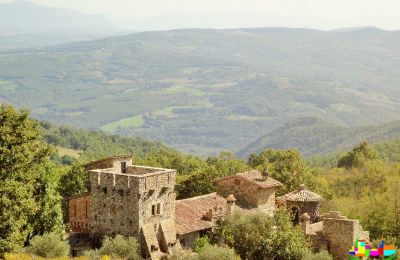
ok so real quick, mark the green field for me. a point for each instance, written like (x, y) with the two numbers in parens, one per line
(184, 89)
(61, 151)
(129, 122)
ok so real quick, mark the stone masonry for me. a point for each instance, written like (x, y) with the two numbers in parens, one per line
(139, 201)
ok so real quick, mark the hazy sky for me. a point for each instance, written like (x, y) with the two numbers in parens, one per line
(324, 14)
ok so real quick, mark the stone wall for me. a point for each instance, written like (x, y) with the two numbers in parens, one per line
(247, 194)
(130, 204)
(114, 163)
(341, 233)
(79, 213)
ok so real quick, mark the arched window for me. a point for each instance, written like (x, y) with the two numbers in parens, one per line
(158, 209)
(153, 210)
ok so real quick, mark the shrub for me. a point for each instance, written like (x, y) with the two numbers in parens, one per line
(199, 243)
(48, 245)
(118, 247)
(318, 256)
(209, 252)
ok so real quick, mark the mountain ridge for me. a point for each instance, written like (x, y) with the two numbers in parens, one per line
(203, 90)
(313, 136)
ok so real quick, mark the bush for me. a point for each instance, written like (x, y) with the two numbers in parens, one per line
(209, 252)
(318, 256)
(199, 243)
(48, 245)
(257, 236)
(118, 247)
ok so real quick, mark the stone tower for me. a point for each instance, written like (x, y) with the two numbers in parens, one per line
(301, 201)
(133, 201)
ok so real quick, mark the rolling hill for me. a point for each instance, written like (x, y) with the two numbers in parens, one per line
(205, 90)
(314, 136)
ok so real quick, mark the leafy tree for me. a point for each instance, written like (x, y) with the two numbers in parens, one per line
(285, 166)
(200, 181)
(21, 145)
(49, 218)
(358, 156)
(48, 245)
(168, 158)
(21, 151)
(73, 182)
(118, 247)
(258, 236)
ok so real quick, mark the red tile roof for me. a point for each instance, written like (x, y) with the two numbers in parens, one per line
(254, 177)
(190, 213)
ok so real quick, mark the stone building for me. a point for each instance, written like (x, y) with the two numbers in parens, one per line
(130, 200)
(333, 233)
(301, 201)
(139, 201)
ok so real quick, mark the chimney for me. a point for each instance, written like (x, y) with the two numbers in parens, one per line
(230, 204)
(265, 174)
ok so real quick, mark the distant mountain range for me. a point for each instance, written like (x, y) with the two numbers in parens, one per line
(314, 136)
(26, 24)
(206, 90)
(25, 16)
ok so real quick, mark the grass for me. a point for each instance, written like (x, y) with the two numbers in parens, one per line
(135, 122)
(70, 152)
(183, 89)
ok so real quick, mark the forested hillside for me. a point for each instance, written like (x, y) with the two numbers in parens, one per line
(97, 144)
(206, 90)
(314, 136)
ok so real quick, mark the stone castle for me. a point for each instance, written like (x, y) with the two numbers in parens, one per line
(139, 201)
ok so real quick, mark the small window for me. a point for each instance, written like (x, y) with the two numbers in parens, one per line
(121, 193)
(158, 209)
(105, 190)
(237, 182)
(75, 210)
(123, 167)
(153, 210)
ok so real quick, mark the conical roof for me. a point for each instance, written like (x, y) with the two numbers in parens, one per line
(302, 195)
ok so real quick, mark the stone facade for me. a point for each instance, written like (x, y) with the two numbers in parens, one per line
(139, 201)
(132, 201)
(251, 190)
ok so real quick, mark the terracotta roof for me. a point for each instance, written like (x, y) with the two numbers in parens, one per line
(254, 177)
(301, 194)
(120, 156)
(190, 212)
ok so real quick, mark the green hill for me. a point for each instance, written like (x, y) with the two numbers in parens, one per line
(89, 145)
(205, 90)
(314, 136)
